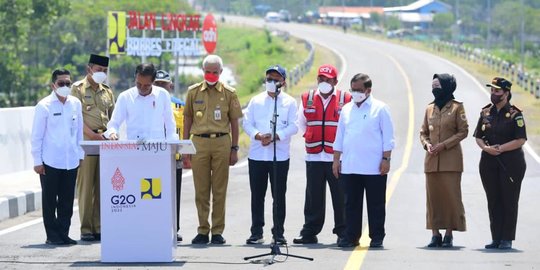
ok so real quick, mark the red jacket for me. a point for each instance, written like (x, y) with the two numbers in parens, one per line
(322, 124)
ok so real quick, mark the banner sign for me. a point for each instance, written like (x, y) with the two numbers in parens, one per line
(160, 33)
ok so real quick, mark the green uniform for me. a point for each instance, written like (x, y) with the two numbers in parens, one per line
(97, 107)
(212, 109)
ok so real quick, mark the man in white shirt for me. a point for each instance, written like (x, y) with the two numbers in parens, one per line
(258, 125)
(145, 108)
(318, 116)
(362, 150)
(56, 135)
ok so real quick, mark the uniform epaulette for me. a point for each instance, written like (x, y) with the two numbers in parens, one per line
(487, 106)
(457, 101)
(486, 109)
(195, 86)
(77, 83)
(514, 110)
(106, 86)
(230, 88)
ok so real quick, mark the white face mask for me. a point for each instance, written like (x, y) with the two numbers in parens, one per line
(63, 91)
(99, 77)
(358, 97)
(325, 88)
(270, 86)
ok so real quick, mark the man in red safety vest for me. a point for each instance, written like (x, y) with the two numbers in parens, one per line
(318, 116)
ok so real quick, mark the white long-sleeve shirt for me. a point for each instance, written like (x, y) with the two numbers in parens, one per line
(302, 126)
(363, 134)
(257, 118)
(147, 117)
(57, 132)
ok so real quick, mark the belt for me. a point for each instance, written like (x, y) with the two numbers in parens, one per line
(99, 130)
(211, 135)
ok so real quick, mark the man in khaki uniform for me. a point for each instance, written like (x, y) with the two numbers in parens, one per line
(97, 105)
(211, 116)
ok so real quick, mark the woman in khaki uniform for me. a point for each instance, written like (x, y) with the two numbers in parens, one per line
(444, 127)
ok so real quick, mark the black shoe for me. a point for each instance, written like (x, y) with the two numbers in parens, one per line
(217, 239)
(345, 243)
(179, 238)
(306, 239)
(376, 243)
(255, 239)
(200, 239)
(493, 245)
(447, 241)
(54, 242)
(88, 237)
(97, 236)
(280, 240)
(68, 241)
(505, 244)
(436, 241)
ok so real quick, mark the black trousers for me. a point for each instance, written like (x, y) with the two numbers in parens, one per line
(502, 194)
(318, 173)
(57, 194)
(259, 173)
(178, 196)
(375, 187)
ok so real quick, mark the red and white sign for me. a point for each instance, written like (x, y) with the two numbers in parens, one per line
(209, 33)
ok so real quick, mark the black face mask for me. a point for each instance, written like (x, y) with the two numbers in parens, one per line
(437, 92)
(495, 99)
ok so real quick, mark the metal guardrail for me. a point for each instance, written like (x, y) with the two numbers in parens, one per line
(507, 69)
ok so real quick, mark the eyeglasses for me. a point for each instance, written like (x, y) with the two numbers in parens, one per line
(357, 90)
(62, 84)
(271, 80)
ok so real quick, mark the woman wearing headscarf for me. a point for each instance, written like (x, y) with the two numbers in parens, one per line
(444, 127)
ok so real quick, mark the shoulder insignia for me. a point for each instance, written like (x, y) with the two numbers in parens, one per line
(486, 109)
(229, 88)
(78, 83)
(514, 110)
(195, 86)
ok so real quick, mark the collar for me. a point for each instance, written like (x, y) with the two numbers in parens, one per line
(505, 108)
(54, 97)
(135, 92)
(218, 86)
(367, 102)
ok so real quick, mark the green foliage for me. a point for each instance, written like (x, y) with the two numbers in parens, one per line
(249, 64)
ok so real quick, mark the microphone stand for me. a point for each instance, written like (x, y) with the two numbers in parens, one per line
(274, 248)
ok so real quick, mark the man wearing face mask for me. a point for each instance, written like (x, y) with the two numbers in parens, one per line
(362, 150)
(97, 99)
(211, 116)
(57, 132)
(318, 116)
(257, 124)
(500, 133)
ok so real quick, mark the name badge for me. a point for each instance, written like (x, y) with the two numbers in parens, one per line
(217, 114)
(57, 114)
(309, 110)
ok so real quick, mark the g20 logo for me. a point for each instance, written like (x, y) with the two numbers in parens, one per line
(122, 199)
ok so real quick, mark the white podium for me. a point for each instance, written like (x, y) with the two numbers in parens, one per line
(138, 198)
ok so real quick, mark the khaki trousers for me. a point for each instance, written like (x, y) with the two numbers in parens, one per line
(210, 176)
(88, 195)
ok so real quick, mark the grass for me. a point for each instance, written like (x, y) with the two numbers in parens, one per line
(520, 98)
(249, 62)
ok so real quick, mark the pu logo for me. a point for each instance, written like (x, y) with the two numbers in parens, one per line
(325, 70)
(150, 188)
(116, 32)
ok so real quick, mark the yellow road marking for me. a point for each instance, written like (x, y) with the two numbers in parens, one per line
(359, 253)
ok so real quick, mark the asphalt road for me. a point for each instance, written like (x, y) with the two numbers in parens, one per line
(401, 78)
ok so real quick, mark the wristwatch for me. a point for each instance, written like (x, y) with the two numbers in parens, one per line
(235, 148)
(386, 158)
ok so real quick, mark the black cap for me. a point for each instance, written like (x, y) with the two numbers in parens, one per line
(500, 83)
(162, 76)
(99, 60)
(279, 69)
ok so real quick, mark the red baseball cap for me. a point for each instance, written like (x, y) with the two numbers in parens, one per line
(328, 71)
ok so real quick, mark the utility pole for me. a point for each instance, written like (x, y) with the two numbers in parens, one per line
(522, 35)
(488, 36)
